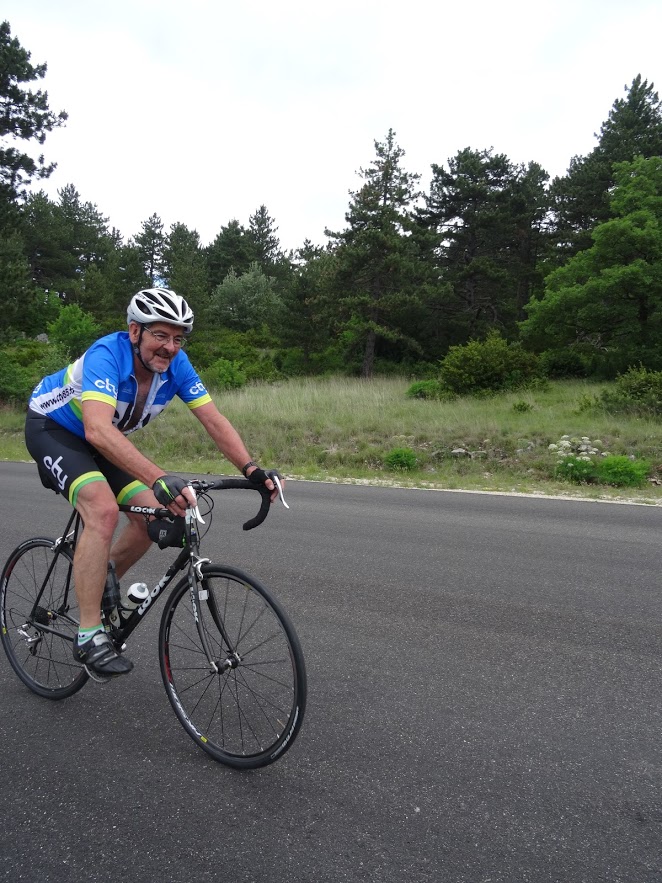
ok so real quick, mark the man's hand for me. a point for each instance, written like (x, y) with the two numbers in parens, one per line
(261, 476)
(172, 492)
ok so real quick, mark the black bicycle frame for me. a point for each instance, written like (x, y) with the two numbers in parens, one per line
(188, 555)
(68, 540)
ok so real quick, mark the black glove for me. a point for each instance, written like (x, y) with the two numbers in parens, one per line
(167, 488)
(261, 476)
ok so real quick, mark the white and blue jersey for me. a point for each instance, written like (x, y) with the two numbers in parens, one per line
(104, 373)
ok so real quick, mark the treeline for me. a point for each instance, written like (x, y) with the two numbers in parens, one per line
(569, 267)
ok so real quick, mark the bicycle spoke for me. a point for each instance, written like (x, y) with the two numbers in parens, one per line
(42, 656)
(248, 712)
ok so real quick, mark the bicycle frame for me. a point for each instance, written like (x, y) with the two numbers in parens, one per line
(119, 634)
(189, 555)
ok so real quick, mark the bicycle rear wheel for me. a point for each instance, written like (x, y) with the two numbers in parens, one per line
(248, 712)
(39, 641)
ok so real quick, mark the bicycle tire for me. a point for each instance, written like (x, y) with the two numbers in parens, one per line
(42, 659)
(247, 716)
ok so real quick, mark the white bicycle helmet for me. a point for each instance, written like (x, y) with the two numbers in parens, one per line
(160, 305)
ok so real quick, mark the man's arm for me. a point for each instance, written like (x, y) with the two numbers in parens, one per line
(223, 434)
(227, 439)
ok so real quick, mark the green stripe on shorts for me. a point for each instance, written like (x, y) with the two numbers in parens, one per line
(82, 480)
(130, 491)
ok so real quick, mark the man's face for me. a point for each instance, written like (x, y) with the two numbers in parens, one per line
(159, 345)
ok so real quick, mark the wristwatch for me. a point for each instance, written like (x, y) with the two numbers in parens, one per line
(244, 469)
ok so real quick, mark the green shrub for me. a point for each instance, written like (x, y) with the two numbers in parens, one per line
(401, 459)
(25, 352)
(577, 469)
(428, 389)
(488, 366)
(292, 362)
(224, 374)
(522, 407)
(637, 392)
(261, 369)
(74, 329)
(16, 382)
(52, 359)
(622, 472)
(563, 363)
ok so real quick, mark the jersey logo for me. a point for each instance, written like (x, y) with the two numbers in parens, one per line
(198, 389)
(107, 385)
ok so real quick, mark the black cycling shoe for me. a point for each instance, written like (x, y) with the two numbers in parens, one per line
(100, 659)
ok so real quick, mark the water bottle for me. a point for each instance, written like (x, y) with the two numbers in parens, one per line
(135, 595)
(111, 596)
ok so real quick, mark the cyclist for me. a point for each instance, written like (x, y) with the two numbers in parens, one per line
(76, 430)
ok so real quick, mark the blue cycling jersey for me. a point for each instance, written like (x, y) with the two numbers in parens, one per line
(104, 373)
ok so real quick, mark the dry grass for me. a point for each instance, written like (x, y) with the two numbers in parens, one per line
(343, 428)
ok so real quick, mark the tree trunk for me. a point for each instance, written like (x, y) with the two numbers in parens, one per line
(369, 355)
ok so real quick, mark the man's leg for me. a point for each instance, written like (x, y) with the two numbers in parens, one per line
(80, 479)
(93, 648)
(133, 541)
(98, 509)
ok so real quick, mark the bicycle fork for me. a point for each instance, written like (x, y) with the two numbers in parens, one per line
(198, 594)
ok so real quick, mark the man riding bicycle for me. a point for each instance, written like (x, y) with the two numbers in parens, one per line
(76, 429)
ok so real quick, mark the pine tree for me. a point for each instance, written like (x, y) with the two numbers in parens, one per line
(487, 214)
(607, 300)
(24, 116)
(185, 267)
(581, 197)
(232, 249)
(376, 272)
(151, 244)
(263, 232)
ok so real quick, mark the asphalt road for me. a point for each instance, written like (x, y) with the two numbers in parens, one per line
(485, 675)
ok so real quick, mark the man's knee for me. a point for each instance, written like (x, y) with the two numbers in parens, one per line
(98, 509)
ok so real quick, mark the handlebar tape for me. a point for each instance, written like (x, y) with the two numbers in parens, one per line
(242, 483)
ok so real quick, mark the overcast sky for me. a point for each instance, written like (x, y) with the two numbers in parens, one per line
(202, 110)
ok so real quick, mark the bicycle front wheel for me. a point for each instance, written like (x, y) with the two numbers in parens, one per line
(247, 708)
(38, 637)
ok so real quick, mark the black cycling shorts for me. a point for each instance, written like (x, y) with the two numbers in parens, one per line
(66, 463)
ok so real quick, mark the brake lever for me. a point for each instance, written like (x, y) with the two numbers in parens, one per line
(195, 509)
(279, 488)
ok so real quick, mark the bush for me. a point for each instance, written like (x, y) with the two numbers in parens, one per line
(577, 469)
(563, 363)
(401, 459)
(522, 407)
(622, 472)
(428, 389)
(16, 382)
(292, 362)
(224, 374)
(488, 366)
(74, 329)
(638, 392)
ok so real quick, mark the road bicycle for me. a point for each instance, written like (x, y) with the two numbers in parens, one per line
(230, 659)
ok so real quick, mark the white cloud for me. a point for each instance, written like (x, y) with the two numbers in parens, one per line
(202, 111)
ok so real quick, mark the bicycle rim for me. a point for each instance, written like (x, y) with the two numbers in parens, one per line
(249, 712)
(39, 647)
